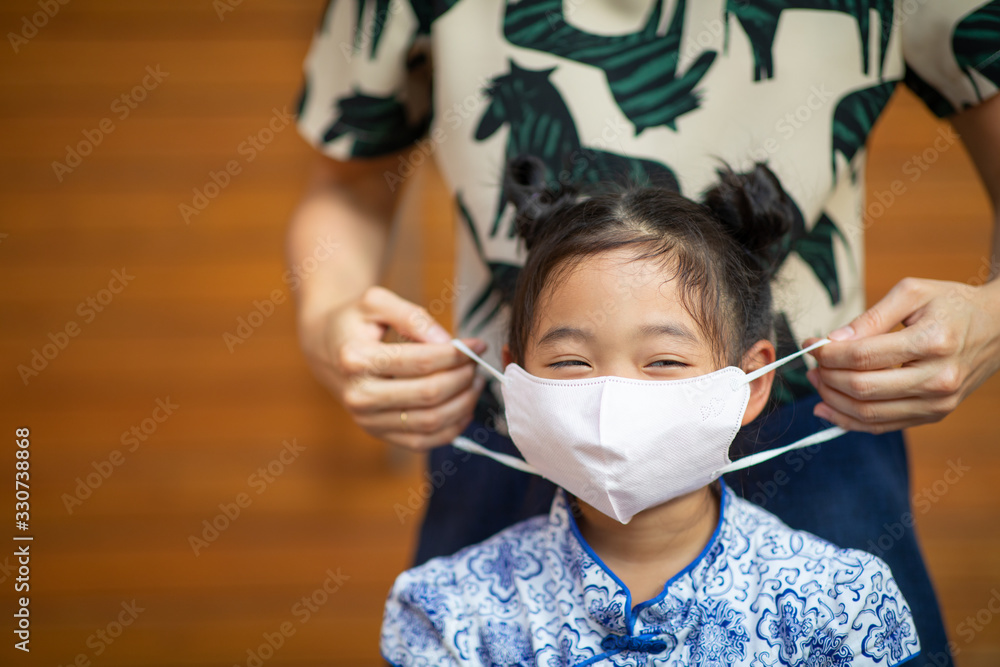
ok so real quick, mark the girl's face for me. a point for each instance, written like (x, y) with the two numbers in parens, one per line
(614, 315)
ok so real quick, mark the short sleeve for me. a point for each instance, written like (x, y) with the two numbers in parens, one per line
(876, 626)
(416, 620)
(366, 83)
(952, 52)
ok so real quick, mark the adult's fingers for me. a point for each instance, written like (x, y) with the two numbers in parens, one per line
(901, 301)
(909, 410)
(367, 395)
(426, 427)
(916, 380)
(405, 359)
(872, 353)
(848, 423)
(412, 321)
(420, 442)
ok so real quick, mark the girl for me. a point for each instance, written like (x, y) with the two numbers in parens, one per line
(639, 344)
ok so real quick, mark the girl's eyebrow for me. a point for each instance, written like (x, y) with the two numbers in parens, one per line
(672, 330)
(557, 334)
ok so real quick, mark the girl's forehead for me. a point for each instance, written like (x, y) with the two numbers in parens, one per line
(613, 288)
(616, 273)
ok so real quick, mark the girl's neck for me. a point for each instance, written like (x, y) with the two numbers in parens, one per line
(657, 543)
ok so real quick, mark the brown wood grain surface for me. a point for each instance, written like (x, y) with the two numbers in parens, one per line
(327, 515)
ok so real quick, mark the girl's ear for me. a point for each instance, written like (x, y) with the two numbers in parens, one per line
(761, 354)
(505, 355)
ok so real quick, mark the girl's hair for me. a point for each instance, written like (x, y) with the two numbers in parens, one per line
(723, 251)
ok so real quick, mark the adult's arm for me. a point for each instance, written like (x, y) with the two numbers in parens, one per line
(343, 314)
(876, 380)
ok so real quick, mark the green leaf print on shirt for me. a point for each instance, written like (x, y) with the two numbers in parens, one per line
(815, 247)
(300, 104)
(378, 125)
(641, 67)
(759, 19)
(541, 125)
(790, 382)
(977, 46)
(934, 100)
(428, 12)
(853, 120)
(499, 290)
(379, 16)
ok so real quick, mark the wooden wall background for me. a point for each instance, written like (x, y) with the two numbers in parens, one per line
(330, 509)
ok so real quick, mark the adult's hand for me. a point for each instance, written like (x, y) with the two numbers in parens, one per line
(874, 379)
(416, 394)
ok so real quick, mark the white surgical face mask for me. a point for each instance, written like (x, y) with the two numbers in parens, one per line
(623, 445)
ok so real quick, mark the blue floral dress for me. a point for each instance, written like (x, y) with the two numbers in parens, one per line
(759, 594)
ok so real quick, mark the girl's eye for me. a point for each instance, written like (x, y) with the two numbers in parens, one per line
(666, 363)
(568, 362)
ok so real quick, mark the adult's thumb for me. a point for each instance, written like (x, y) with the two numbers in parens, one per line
(896, 306)
(408, 319)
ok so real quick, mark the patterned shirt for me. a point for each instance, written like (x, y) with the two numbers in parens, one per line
(759, 594)
(656, 90)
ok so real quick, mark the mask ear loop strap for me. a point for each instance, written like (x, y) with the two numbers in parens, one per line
(760, 457)
(784, 360)
(467, 351)
(815, 438)
(461, 442)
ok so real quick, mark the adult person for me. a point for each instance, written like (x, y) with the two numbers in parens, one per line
(657, 90)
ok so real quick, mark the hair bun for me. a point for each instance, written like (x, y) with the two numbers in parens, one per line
(534, 200)
(756, 211)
